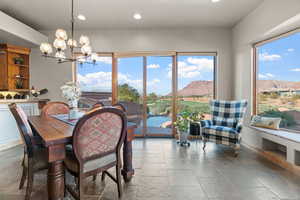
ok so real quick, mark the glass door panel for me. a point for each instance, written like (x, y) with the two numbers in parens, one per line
(195, 84)
(130, 89)
(159, 96)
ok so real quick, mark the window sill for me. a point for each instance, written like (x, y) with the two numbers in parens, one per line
(292, 136)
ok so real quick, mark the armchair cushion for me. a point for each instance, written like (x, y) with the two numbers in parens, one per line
(228, 122)
(221, 134)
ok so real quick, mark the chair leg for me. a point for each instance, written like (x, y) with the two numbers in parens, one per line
(80, 187)
(236, 151)
(94, 177)
(29, 183)
(24, 174)
(118, 175)
(204, 145)
(103, 176)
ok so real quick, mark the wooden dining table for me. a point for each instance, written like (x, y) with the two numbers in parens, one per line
(55, 135)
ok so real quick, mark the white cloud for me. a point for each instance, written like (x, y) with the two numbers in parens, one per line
(270, 75)
(105, 60)
(153, 66)
(101, 81)
(193, 67)
(295, 70)
(98, 81)
(269, 57)
(266, 76)
(291, 50)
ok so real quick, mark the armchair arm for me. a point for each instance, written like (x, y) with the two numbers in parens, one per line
(205, 123)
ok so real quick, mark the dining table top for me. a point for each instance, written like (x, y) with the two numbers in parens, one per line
(54, 131)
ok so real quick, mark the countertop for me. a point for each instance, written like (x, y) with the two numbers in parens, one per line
(7, 101)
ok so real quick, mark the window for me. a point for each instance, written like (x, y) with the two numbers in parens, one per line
(195, 82)
(95, 80)
(277, 80)
(146, 82)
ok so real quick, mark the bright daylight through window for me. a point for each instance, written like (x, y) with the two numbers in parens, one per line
(278, 80)
(195, 80)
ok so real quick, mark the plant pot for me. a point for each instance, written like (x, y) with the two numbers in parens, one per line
(194, 129)
(183, 136)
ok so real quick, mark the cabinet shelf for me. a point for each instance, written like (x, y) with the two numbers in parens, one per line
(9, 69)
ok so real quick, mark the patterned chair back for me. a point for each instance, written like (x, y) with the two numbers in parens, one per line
(120, 106)
(99, 133)
(55, 108)
(24, 127)
(227, 113)
(98, 105)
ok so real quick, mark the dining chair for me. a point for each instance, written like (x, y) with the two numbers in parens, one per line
(35, 157)
(55, 108)
(98, 105)
(120, 106)
(97, 140)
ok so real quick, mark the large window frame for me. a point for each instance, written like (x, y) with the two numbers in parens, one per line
(173, 54)
(255, 59)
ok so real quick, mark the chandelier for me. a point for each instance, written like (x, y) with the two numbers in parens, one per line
(62, 43)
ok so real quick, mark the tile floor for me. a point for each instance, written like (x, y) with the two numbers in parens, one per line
(166, 171)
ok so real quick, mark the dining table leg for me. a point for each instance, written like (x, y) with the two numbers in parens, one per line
(127, 170)
(56, 172)
(56, 180)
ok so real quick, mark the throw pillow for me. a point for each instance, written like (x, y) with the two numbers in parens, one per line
(265, 122)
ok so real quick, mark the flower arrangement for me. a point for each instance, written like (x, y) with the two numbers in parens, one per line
(71, 92)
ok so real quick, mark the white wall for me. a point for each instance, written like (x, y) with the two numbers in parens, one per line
(270, 18)
(45, 73)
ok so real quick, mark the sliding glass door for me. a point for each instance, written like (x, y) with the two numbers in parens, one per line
(159, 96)
(155, 88)
(130, 89)
(196, 85)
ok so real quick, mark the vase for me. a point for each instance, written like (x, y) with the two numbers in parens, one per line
(183, 136)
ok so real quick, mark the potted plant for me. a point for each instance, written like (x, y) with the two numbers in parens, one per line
(195, 118)
(182, 126)
(18, 60)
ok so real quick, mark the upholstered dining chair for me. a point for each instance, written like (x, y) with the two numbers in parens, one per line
(97, 140)
(35, 157)
(55, 108)
(226, 124)
(98, 105)
(120, 106)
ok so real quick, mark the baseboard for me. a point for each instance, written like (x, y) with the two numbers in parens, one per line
(10, 145)
(274, 158)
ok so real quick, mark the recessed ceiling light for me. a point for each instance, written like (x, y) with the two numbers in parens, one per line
(137, 16)
(81, 17)
(215, 1)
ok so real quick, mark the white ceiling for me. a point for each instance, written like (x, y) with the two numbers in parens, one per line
(51, 14)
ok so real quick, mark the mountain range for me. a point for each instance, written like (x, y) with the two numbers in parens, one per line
(203, 88)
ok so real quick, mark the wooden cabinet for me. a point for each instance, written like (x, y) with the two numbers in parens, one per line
(14, 68)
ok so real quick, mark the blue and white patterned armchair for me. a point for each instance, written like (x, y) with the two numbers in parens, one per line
(226, 124)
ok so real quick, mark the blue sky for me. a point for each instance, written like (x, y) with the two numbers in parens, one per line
(280, 59)
(130, 70)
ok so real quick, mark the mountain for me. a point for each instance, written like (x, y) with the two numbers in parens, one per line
(275, 85)
(197, 88)
(202, 88)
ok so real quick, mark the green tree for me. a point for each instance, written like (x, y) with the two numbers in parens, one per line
(152, 97)
(128, 93)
